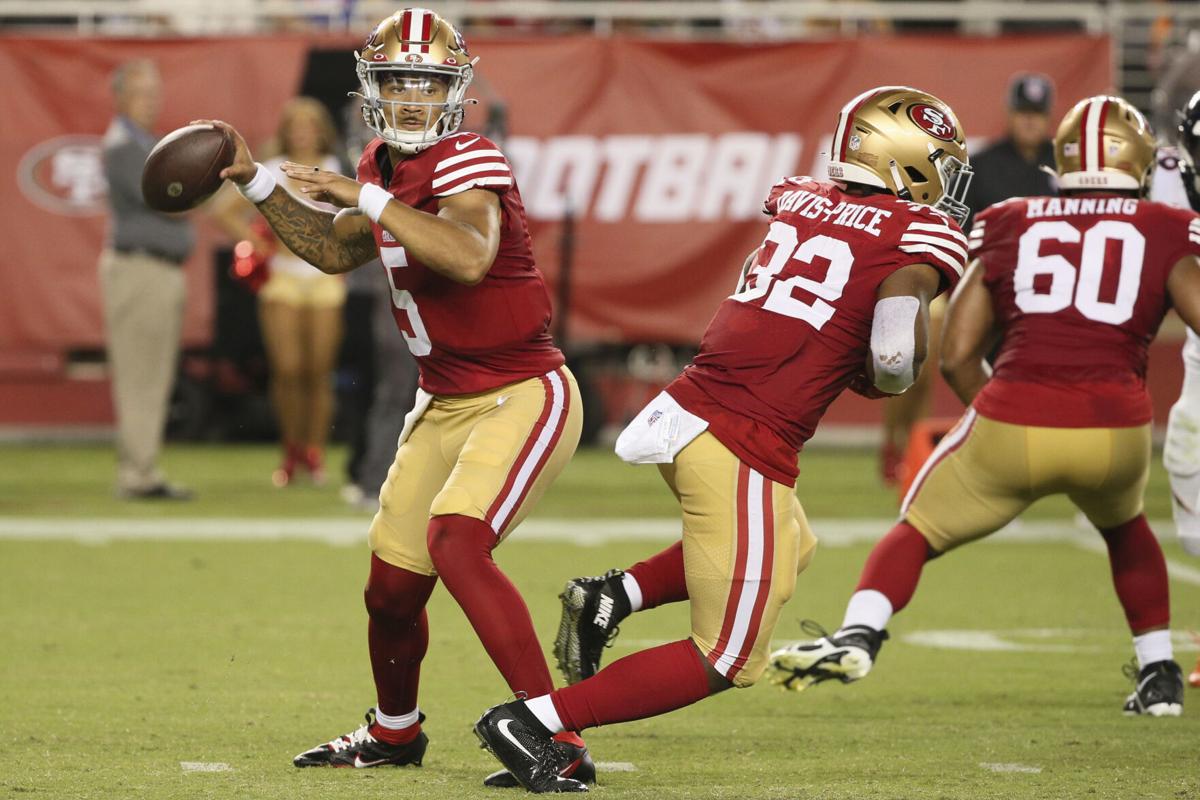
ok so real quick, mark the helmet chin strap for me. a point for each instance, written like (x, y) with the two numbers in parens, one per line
(901, 190)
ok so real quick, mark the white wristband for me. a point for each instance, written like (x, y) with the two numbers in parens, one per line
(373, 199)
(260, 186)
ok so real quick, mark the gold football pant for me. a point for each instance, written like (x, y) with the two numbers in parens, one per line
(984, 473)
(489, 456)
(745, 538)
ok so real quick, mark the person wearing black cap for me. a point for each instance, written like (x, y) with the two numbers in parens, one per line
(1012, 167)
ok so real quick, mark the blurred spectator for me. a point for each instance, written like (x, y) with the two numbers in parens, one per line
(142, 281)
(300, 307)
(1180, 78)
(392, 397)
(1012, 167)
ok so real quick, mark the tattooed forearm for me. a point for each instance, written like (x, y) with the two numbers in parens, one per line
(310, 234)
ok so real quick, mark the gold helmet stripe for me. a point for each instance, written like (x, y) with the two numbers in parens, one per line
(1094, 117)
(841, 134)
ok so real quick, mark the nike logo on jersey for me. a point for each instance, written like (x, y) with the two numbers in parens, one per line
(503, 727)
(460, 145)
(604, 612)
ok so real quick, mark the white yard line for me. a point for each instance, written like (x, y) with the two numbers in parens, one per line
(1025, 768)
(204, 766)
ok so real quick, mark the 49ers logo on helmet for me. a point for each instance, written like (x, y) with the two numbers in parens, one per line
(934, 121)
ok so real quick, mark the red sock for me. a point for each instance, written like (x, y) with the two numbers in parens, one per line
(394, 736)
(1139, 574)
(461, 548)
(661, 577)
(397, 634)
(641, 685)
(894, 566)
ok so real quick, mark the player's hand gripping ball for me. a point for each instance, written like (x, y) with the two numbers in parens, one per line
(184, 169)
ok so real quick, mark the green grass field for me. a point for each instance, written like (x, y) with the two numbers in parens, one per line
(122, 662)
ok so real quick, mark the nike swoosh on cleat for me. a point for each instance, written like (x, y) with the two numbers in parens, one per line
(503, 728)
(465, 145)
(359, 763)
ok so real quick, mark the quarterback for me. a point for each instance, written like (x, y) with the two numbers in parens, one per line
(497, 415)
(837, 296)
(1077, 285)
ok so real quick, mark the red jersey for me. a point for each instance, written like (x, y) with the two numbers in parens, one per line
(466, 339)
(796, 334)
(1079, 286)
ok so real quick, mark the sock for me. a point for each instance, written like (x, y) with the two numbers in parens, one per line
(1139, 574)
(894, 566)
(868, 607)
(660, 578)
(543, 708)
(397, 634)
(632, 591)
(645, 684)
(396, 730)
(461, 548)
(1153, 647)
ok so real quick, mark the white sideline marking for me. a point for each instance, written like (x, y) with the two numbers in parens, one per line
(1010, 768)
(202, 766)
(1045, 640)
(616, 766)
(352, 531)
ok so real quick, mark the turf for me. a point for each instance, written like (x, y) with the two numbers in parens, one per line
(119, 662)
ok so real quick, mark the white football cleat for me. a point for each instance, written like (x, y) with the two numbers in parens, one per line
(847, 656)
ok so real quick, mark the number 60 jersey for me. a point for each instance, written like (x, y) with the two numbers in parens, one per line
(1079, 286)
(796, 333)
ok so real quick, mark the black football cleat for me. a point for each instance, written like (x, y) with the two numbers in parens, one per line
(359, 750)
(592, 608)
(1158, 690)
(514, 736)
(574, 762)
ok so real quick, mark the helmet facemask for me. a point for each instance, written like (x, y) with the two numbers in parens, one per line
(419, 87)
(956, 178)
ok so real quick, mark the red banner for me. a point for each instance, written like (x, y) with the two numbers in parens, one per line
(661, 151)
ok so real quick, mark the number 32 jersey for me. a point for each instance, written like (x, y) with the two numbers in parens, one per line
(467, 339)
(796, 333)
(1079, 287)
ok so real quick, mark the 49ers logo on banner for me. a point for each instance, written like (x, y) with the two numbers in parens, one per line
(65, 175)
(934, 121)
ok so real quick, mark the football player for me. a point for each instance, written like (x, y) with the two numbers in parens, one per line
(1077, 285)
(497, 416)
(1175, 183)
(837, 296)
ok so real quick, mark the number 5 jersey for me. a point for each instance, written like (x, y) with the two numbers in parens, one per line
(797, 331)
(466, 339)
(1079, 287)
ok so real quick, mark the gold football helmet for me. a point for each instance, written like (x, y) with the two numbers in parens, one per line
(906, 141)
(1104, 143)
(417, 46)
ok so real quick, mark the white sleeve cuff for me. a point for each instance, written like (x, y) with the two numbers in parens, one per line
(373, 200)
(260, 186)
